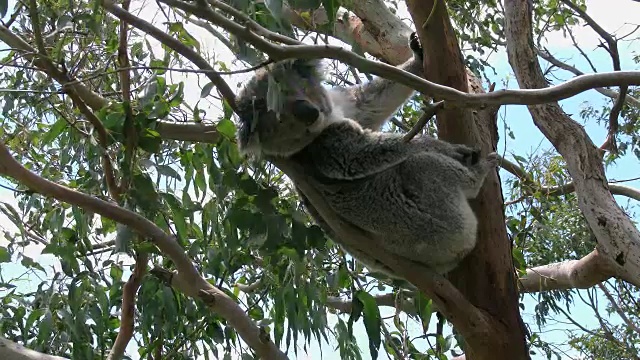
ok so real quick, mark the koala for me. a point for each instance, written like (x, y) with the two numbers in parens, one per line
(413, 195)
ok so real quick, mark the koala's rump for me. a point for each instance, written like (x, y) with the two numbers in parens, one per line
(420, 215)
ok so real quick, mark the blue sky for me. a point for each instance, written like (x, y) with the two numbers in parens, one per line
(528, 139)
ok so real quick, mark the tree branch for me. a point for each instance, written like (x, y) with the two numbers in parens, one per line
(546, 55)
(13, 351)
(567, 188)
(618, 238)
(128, 308)
(453, 97)
(572, 274)
(187, 273)
(618, 310)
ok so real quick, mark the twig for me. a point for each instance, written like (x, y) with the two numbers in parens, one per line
(35, 25)
(103, 140)
(567, 188)
(423, 120)
(174, 44)
(545, 54)
(618, 310)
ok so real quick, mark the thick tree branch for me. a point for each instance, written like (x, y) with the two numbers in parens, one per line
(13, 351)
(572, 274)
(618, 238)
(187, 273)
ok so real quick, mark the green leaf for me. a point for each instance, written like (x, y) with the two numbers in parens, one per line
(4, 7)
(356, 311)
(178, 215)
(114, 121)
(29, 263)
(227, 128)
(46, 327)
(158, 63)
(55, 131)
(4, 255)
(150, 141)
(372, 321)
(275, 7)
(425, 310)
(115, 272)
(331, 7)
(206, 90)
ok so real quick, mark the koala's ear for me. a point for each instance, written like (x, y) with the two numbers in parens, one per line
(305, 111)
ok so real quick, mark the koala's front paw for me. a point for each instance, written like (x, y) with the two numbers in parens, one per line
(414, 44)
(492, 160)
(466, 155)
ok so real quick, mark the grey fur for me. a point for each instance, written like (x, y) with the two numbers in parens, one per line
(412, 194)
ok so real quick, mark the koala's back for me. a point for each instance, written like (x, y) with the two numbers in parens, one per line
(416, 206)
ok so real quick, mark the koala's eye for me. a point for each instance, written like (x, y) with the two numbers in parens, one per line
(305, 111)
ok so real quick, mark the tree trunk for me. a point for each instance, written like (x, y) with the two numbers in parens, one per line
(486, 277)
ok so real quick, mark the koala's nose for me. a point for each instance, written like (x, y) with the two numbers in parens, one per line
(305, 111)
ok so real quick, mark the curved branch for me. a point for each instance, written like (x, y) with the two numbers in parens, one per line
(452, 96)
(546, 55)
(128, 308)
(195, 283)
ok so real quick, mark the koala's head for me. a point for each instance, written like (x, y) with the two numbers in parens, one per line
(283, 108)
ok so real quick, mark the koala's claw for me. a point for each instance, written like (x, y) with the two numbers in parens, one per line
(414, 44)
(493, 159)
(467, 156)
